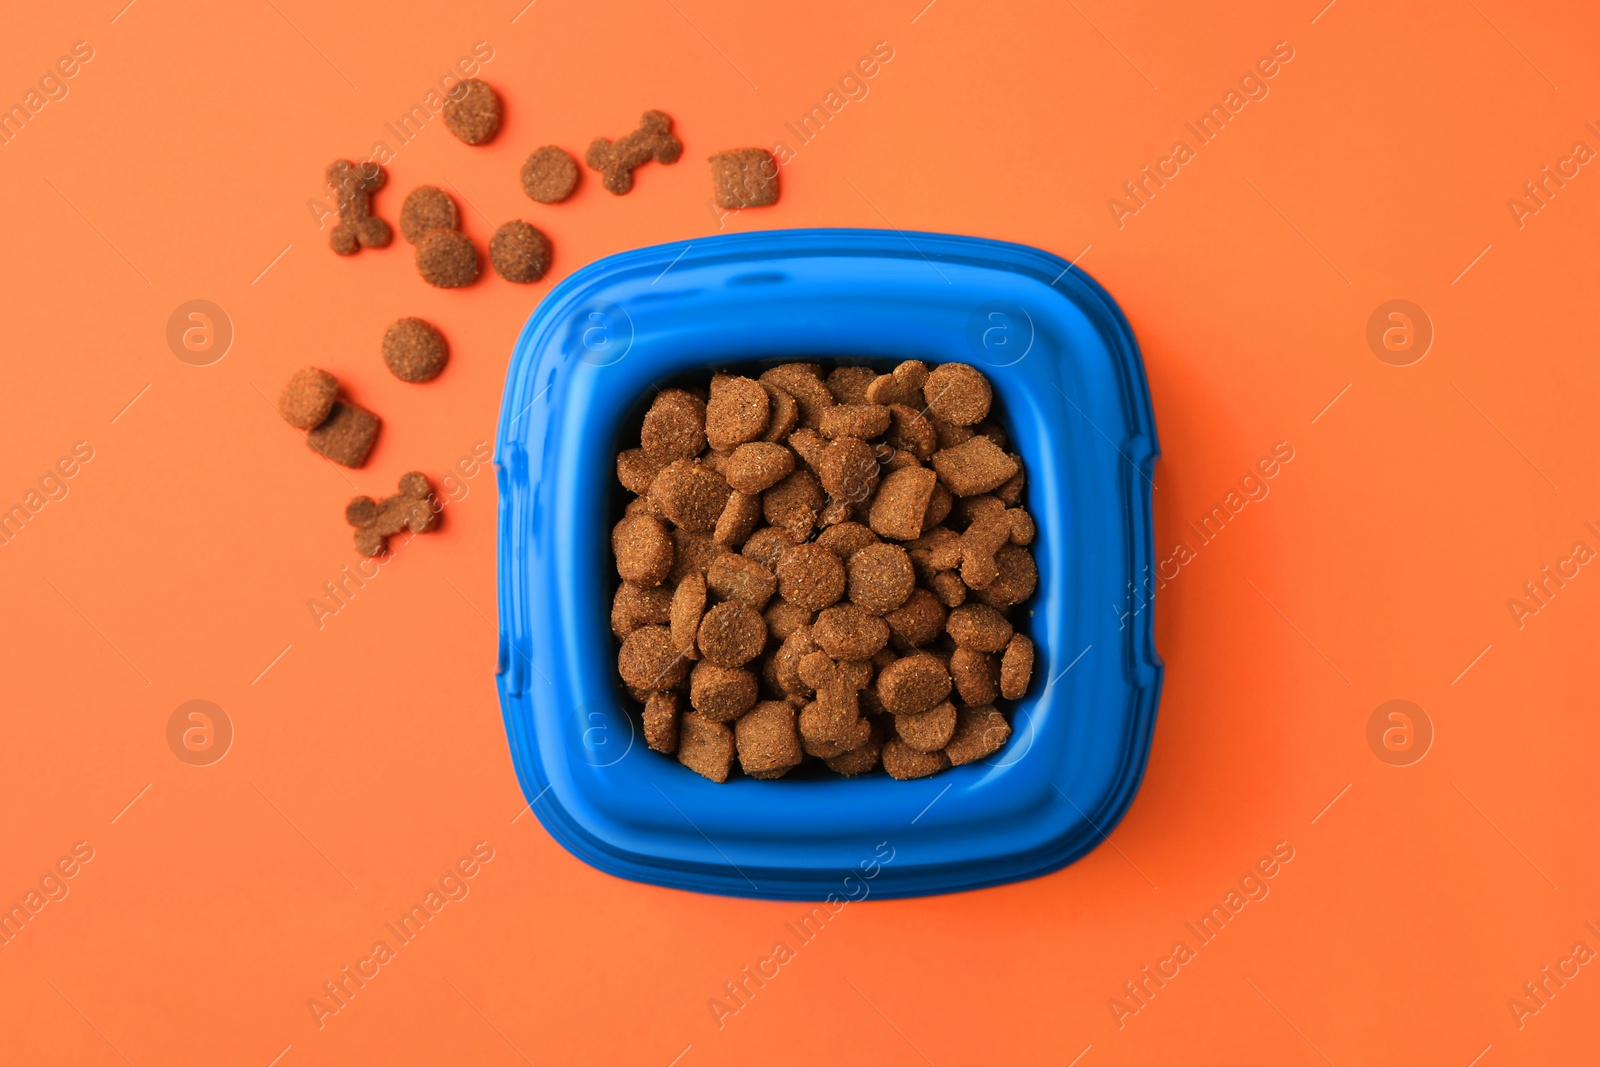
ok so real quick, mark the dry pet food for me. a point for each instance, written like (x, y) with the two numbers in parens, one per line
(519, 252)
(341, 431)
(616, 160)
(744, 177)
(446, 257)
(820, 567)
(473, 111)
(426, 209)
(549, 175)
(415, 350)
(412, 508)
(353, 186)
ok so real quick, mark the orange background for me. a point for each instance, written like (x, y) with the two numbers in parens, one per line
(369, 754)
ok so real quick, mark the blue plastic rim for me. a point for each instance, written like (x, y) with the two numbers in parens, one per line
(1070, 385)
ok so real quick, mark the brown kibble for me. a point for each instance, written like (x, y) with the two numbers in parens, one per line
(902, 501)
(939, 505)
(845, 539)
(803, 381)
(1011, 492)
(784, 416)
(949, 588)
(721, 693)
(705, 747)
(901, 386)
(950, 435)
(519, 252)
(910, 431)
(979, 732)
(854, 420)
(904, 762)
(688, 607)
(845, 632)
(768, 740)
(849, 384)
(347, 435)
(735, 577)
(549, 175)
(426, 209)
(794, 504)
(974, 467)
(808, 445)
(737, 412)
(661, 722)
(446, 259)
(643, 549)
(958, 394)
(650, 660)
(810, 576)
(757, 466)
(308, 398)
(978, 627)
(415, 350)
(353, 186)
(732, 634)
(472, 111)
(880, 577)
(636, 470)
(918, 621)
(618, 159)
(862, 758)
(744, 177)
(1016, 667)
(937, 550)
(674, 427)
(795, 648)
(691, 495)
(975, 675)
(784, 618)
(1016, 581)
(927, 731)
(692, 553)
(738, 519)
(913, 684)
(767, 545)
(825, 733)
(634, 606)
(848, 469)
(412, 508)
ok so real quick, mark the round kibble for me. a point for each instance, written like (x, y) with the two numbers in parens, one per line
(549, 175)
(1016, 667)
(738, 520)
(786, 662)
(692, 553)
(519, 253)
(732, 634)
(414, 350)
(913, 684)
(735, 577)
(784, 414)
(426, 209)
(737, 412)
(974, 676)
(756, 466)
(643, 549)
(447, 259)
(849, 384)
(880, 577)
(794, 504)
(861, 759)
(979, 732)
(978, 627)
(661, 722)
(636, 470)
(854, 420)
(688, 608)
(844, 631)
(721, 694)
(472, 112)
(902, 761)
(690, 495)
(308, 398)
(784, 618)
(637, 605)
(927, 731)
(848, 468)
(847, 538)
(919, 621)
(650, 661)
(958, 394)
(1017, 579)
(674, 427)
(810, 576)
(767, 545)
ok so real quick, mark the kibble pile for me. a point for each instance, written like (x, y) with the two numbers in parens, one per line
(824, 566)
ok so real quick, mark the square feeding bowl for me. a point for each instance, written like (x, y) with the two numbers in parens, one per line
(1071, 393)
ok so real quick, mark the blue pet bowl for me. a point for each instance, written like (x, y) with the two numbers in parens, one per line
(1071, 389)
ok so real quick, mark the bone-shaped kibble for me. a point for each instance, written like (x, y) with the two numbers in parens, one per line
(616, 160)
(832, 724)
(374, 520)
(358, 228)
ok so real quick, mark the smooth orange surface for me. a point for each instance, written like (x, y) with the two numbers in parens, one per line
(185, 163)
